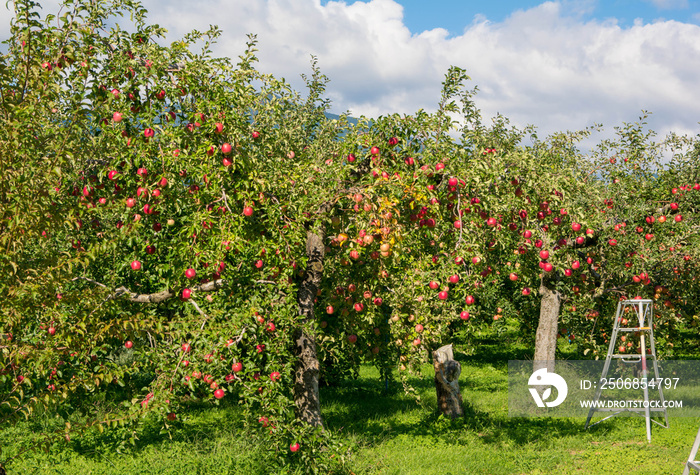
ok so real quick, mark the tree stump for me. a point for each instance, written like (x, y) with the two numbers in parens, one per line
(447, 372)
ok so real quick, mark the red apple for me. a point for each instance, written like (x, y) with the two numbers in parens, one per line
(135, 265)
(433, 285)
(219, 393)
(237, 367)
(186, 293)
(226, 148)
(513, 276)
(294, 447)
(218, 128)
(117, 117)
(526, 291)
(442, 295)
(186, 347)
(454, 278)
(576, 227)
(469, 300)
(544, 254)
(464, 315)
(190, 273)
(352, 338)
(128, 344)
(419, 328)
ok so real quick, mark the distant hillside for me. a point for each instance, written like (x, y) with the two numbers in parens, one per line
(352, 120)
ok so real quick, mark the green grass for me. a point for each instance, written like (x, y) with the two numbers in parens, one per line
(391, 433)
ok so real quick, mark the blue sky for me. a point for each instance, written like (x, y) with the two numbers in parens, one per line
(455, 15)
(557, 65)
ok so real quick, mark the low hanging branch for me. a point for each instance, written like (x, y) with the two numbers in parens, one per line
(156, 297)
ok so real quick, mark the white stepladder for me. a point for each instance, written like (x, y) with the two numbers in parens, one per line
(692, 462)
(644, 311)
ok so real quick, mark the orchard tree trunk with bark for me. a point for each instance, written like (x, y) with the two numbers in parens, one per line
(447, 371)
(546, 337)
(306, 395)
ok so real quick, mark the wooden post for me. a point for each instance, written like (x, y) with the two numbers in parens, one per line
(447, 372)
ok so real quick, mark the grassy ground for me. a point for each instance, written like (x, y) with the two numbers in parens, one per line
(392, 434)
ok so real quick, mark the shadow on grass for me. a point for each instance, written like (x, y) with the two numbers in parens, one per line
(365, 409)
(373, 415)
(200, 424)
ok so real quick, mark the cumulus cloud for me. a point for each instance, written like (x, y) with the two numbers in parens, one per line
(548, 65)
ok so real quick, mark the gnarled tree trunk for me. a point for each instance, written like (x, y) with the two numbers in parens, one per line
(447, 372)
(546, 338)
(306, 395)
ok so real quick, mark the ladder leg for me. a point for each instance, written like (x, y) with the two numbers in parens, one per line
(647, 416)
(693, 453)
(606, 366)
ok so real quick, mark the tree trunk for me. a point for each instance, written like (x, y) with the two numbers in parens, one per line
(306, 396)
(546, 338)
(447, 372)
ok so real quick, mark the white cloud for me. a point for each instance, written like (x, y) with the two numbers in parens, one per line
(545, 66)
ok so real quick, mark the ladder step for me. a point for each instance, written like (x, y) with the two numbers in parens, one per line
(694, 465)
(637, 358)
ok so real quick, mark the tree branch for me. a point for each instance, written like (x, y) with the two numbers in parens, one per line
(156, 297)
